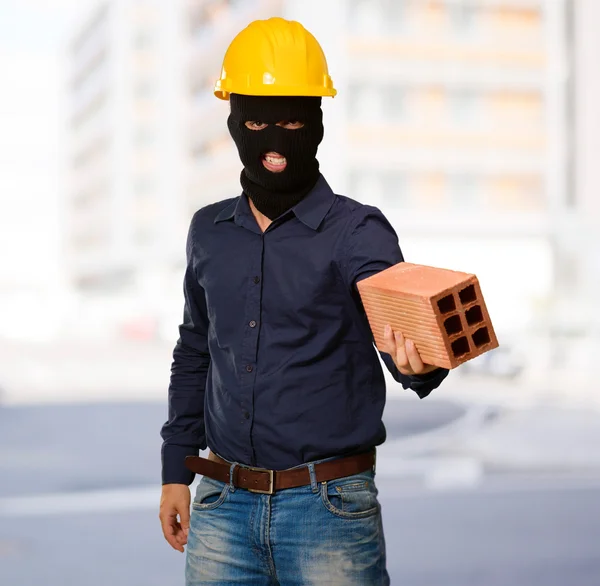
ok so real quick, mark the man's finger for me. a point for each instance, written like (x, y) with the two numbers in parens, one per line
(414, 357)
(170, 529)
(401, 357)
(389, 344)
(181, 537)
(181, 533)
(184, 520)
(174, 541)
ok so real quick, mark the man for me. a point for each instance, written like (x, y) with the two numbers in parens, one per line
(275, 366)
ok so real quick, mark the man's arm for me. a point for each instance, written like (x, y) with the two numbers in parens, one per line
(184, 434)
(372, 246)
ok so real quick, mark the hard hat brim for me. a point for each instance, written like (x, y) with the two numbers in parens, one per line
(267, 90)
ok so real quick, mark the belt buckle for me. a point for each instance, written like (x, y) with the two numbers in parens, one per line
(271, 474)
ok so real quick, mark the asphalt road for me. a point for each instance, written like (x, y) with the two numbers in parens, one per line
(506, 530)
(526, 533)
(513, 537)
(68, 448)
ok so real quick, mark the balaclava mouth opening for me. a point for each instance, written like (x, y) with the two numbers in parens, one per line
(273, 193)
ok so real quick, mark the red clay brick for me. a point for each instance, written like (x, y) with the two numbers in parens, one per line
(442, 311)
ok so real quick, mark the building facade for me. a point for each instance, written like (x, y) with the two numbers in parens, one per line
(454, 122)
(147, 146)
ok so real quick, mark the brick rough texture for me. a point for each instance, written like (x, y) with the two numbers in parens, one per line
(442, 311)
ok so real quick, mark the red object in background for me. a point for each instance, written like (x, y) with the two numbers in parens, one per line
(442, 311)
(143, 328)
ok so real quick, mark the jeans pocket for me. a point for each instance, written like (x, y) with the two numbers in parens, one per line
(210, 494)
(353, 497)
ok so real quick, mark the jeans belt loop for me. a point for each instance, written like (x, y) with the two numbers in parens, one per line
(313, 477)
(231, 471)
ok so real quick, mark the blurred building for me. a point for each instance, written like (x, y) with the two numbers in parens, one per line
(454, 122)
(147, 146)
(452, 116)
(571, 322)
(124, 162)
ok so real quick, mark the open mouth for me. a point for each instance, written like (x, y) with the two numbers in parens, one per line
(274, 162)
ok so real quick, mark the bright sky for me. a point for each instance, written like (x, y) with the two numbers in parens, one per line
(32, 34)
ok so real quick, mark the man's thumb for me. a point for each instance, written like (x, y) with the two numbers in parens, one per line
(184, 516)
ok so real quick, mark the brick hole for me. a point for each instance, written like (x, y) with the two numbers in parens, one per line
(481, 337)
(460, 346)
(446, 304)
(467, 294)
(474, 315)
(452, 325)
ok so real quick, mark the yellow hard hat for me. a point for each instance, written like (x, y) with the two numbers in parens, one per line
(274, 57)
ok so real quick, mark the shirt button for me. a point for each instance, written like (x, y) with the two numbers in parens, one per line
(256, 279)
(252, 324)
(246, 415)
(248, 367)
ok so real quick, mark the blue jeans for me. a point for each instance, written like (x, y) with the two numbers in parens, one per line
(322, 534)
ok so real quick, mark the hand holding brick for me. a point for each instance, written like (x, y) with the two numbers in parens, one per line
(441, 311)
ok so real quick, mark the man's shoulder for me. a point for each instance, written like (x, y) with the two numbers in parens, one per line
(209, 212)
(354, 211)
(352, 204)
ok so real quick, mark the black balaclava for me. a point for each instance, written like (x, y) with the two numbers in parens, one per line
(274, 193)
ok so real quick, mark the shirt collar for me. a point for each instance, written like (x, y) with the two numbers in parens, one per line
(311, 210)
(228, 211)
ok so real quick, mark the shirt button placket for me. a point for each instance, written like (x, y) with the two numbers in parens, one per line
(249, 354)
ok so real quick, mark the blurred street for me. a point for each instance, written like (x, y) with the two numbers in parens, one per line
(458, 509)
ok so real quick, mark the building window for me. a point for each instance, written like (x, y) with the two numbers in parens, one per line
(199, 94)
(144, 135)
(462, 15)
(365, 186)
(95, 27)
(111, 281)
(144, 39)
(365, 16)
(145, 89)
(523, 193)
(145, 235)
(200, 154)
(464, 106)
(393, 100)
(394, 15)
(463, 191)
(92, 112)
(144, 186)
(201, 90)
(92, 152)
(199, 21)
(395, 189)
(364, 104)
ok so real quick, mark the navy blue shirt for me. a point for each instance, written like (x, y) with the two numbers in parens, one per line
(275, 364)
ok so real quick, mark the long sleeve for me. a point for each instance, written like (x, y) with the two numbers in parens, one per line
(184, 432)
(372, 246)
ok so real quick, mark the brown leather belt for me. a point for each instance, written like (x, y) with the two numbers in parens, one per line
(266, 481)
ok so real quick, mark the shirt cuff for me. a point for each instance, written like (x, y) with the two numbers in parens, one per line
(423, 384)
(173, 464)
